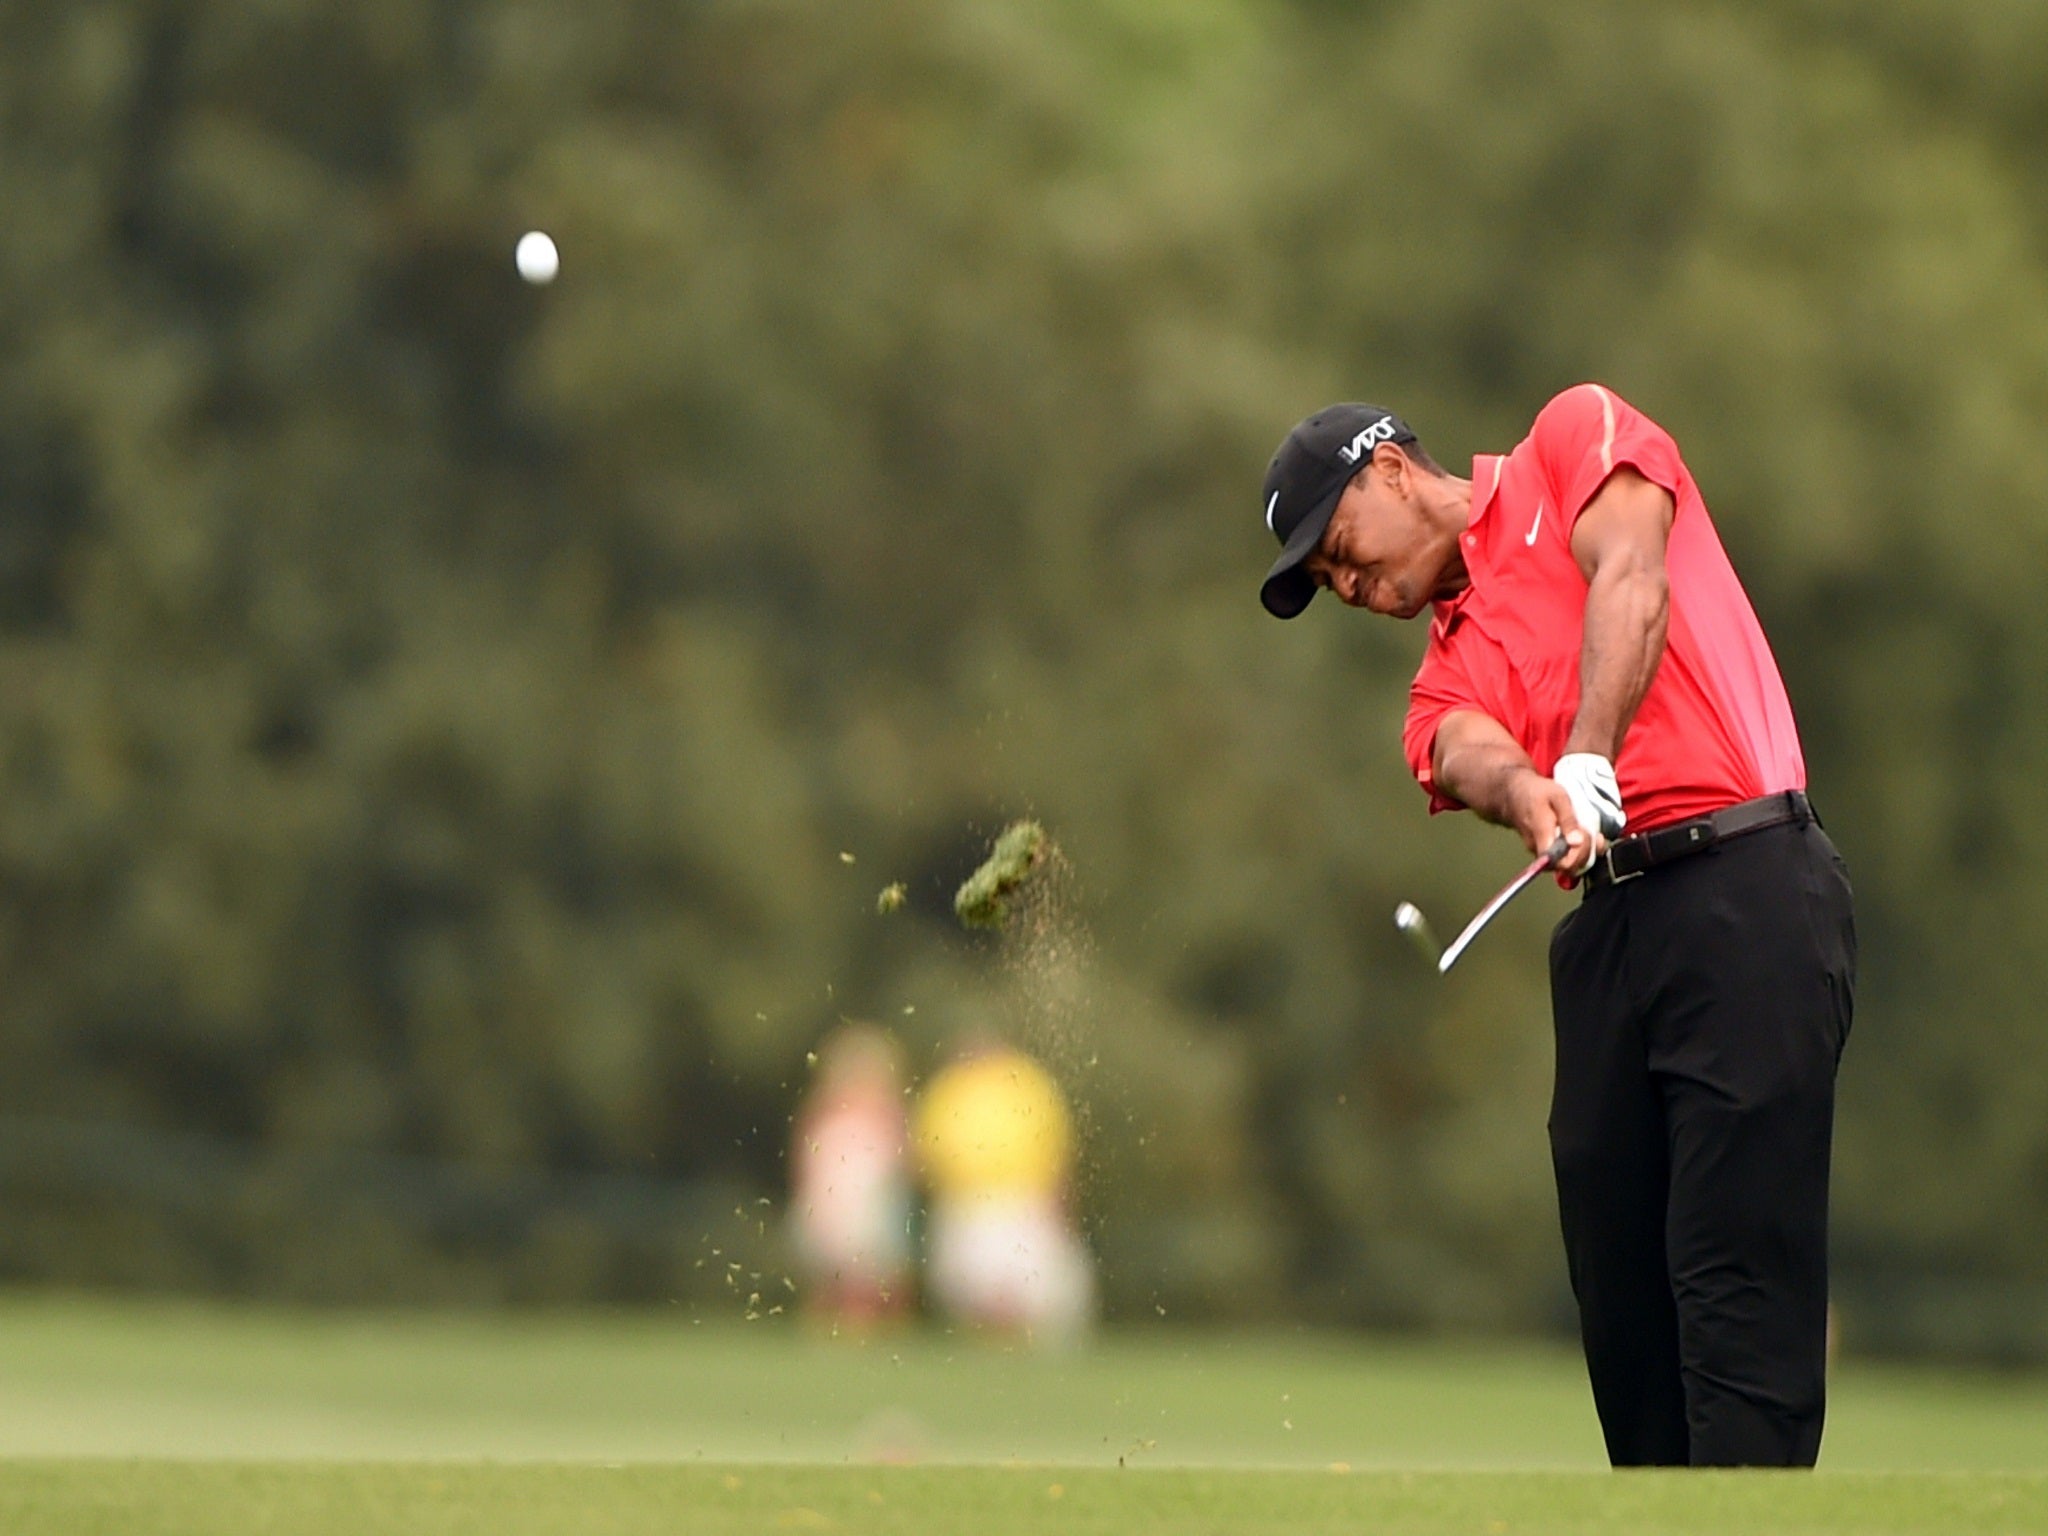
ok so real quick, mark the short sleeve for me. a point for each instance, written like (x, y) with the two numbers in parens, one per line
(1583, 435)
(1460, 670)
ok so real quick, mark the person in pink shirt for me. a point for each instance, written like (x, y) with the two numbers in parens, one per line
(1595, 671)
(850, 1184)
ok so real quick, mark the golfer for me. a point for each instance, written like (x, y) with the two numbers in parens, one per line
(1594, 668)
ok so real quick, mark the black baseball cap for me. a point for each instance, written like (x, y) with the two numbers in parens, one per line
(1305, 482)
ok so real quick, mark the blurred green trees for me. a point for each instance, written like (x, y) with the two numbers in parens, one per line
(433, 709)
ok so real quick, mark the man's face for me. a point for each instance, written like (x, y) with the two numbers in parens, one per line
(1378, 552)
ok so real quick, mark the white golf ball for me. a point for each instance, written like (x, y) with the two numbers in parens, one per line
(537, 258)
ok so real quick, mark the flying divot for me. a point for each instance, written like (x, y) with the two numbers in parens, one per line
(1018, 850)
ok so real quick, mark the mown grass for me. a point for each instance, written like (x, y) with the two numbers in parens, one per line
(82, 1498)
(149, 1418)
(164, 1380)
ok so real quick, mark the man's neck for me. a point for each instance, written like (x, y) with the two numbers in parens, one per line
(1450, 509)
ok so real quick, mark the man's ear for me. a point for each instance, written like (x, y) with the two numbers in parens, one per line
(1394, 469)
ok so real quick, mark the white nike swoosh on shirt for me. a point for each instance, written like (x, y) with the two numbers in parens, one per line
(1530, 538)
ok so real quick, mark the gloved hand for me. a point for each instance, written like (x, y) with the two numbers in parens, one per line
(1596, 798)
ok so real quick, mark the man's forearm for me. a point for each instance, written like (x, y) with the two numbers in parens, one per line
(1627, 612)
(1476, 763)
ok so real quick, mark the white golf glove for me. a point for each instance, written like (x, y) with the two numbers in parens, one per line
(1596, 798)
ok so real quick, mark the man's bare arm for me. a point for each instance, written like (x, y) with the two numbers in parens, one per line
(1477, 763)
(1619, 543)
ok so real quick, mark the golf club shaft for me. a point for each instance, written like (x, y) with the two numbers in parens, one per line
(1507, 894)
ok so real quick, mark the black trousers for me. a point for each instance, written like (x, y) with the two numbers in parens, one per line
(1701, 1010)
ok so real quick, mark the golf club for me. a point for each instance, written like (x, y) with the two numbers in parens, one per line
(1409, 919)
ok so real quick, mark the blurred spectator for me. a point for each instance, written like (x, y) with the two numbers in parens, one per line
(997, 1145)
(850, 1182)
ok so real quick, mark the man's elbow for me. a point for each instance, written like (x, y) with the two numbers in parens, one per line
(1656, 592)
(1458, 736)
(1641, 576)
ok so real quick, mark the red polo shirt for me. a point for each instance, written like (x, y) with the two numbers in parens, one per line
(1715, 727)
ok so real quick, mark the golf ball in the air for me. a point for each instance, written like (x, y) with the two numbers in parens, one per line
(537, 258)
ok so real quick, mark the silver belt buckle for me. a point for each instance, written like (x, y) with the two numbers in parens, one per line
(1614, 876)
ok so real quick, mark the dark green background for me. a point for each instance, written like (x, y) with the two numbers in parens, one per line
(433, 709)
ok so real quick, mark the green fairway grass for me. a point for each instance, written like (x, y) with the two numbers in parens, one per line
(141, 1418)
(348, 1499)
(162, 1380)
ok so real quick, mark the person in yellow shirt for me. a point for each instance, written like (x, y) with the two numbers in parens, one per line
(995, 1142)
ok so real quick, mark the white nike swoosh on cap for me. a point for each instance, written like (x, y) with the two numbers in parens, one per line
(1270, 505)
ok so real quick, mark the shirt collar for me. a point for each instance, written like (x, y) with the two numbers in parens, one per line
(1487, 469)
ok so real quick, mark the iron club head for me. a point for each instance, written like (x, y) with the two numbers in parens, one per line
(1409, 919)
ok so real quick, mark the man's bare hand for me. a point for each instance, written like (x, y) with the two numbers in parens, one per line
(1476, 762)
(1540, 809)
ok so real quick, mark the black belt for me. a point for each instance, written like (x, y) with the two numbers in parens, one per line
(1638, 855)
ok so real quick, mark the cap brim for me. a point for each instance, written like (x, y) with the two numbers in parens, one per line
(1287, 588)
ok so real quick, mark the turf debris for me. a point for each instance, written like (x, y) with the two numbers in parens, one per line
(982, 900)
